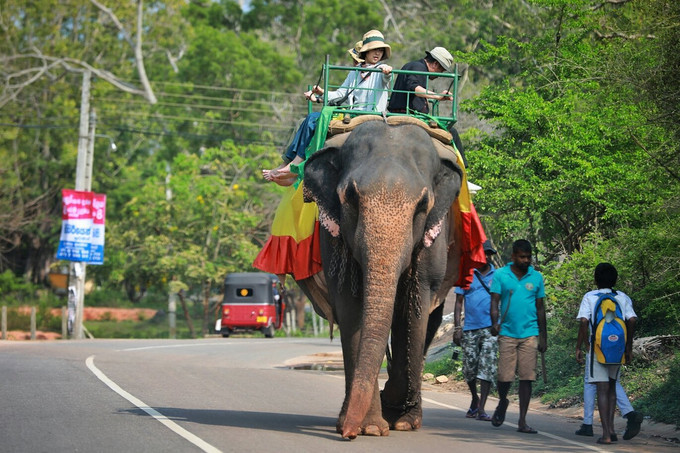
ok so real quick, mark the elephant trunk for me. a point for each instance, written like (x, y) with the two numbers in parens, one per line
(385, 252)
(368, 362)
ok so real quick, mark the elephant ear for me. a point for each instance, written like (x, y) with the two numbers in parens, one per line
(446, 186)
(322, 175)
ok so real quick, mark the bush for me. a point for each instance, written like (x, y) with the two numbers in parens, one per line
(44, 319)
(448, 367)
(15, 291)
(661, 400)
(140, 329)
(16, 320)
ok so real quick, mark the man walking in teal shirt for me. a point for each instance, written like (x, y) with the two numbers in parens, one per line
(521, 329)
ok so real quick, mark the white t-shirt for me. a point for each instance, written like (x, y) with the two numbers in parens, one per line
(590, 300)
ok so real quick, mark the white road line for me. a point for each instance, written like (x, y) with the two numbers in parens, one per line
(200, 443)
(552, 436)
(183, 345)
(220, 343)
(448, 406)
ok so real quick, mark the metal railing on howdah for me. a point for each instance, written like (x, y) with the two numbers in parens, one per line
(449, 82)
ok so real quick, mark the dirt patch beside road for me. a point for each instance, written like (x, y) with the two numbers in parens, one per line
(89, 314)
(118, 314)
(17, 335)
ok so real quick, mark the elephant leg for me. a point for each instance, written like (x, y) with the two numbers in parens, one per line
(374, 424)
(433, 323)
(401, 399)
(349, 336)
(316, 291)
(349, 315)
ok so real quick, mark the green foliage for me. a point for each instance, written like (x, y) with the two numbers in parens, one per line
(447, 367)
(659, 390)
(580, 164)
(111, 297)
(13, 288)
(196, 227)
(137, 329)
(564, 374)
(321, 27)
(16, 291)
(19, 318)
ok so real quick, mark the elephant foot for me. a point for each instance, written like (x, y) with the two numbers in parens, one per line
(403, 420)
(372, 426)
(408, 422)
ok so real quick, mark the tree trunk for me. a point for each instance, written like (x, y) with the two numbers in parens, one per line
(206, 309)
(186, 314)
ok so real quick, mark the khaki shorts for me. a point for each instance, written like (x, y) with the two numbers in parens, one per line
(517, 354)
(602, 373)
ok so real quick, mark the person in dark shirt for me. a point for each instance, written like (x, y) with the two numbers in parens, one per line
(410, 93)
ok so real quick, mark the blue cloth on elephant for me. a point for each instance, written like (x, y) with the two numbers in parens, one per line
(302, 137)
(317, 141)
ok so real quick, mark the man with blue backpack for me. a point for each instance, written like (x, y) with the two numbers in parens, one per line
(634, 418)
(607, 325)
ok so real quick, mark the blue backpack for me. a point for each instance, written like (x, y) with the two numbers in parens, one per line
(608, 331)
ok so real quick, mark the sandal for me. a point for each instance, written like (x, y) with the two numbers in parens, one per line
(471, 413)
(526, 429)
(484, 417)
(499, 414)
(603, 442)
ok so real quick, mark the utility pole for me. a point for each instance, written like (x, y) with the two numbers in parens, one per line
(90, 151)
(172, 296)
(83, 178)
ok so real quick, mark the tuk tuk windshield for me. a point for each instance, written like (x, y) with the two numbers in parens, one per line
(250, 288)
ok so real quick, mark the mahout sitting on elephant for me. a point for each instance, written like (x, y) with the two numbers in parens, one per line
(389, 259)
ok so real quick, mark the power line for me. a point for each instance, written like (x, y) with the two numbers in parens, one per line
(203, 97)
(120, 128)
(196, 106)
(200, 120)
(38, 126)
(216, 88)
(187, 134)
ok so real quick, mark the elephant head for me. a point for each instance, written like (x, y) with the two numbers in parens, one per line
(384, 196)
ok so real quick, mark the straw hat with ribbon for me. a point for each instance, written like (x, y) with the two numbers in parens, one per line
(375, 40)
(354, 53)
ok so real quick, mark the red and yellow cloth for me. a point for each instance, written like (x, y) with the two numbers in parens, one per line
(293, 247)
(469, 231)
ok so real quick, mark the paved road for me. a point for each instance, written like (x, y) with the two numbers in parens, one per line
(226, 395)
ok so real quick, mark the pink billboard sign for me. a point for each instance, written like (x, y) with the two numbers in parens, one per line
(82, 227)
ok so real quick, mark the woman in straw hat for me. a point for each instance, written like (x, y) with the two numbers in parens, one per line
(364, 90)
(295, 152)
(293, 246)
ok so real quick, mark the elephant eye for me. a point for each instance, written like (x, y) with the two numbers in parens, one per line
(423, 203)
(351, 196)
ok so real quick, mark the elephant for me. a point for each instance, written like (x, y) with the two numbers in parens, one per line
(384, 198)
